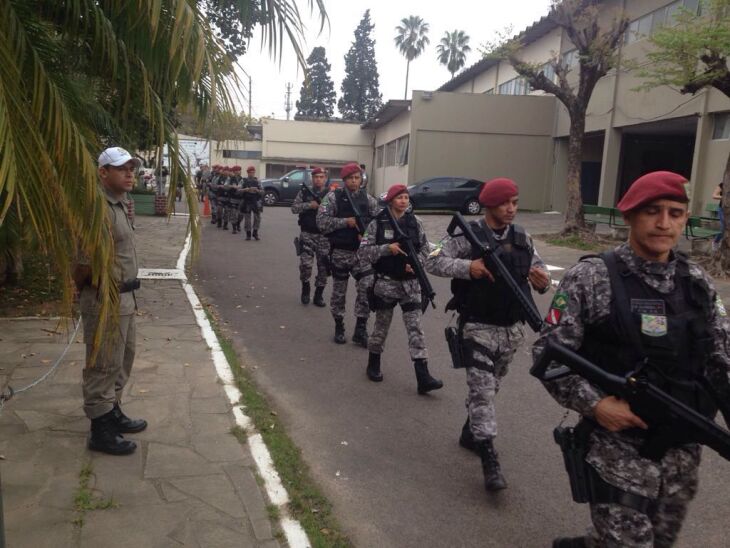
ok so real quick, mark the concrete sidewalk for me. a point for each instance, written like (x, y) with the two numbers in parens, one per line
(190, 482)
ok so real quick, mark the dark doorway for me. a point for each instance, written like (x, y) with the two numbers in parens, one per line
(590, 182)
(642, 154)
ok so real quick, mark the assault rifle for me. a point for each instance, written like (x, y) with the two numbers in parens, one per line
(427, 292)
(497, 268)
(675, 422)
(307, 190)
(356, 210)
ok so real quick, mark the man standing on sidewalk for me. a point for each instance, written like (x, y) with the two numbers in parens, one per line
(312, 244)
(336, 218)
(105, 378)
(490, 317)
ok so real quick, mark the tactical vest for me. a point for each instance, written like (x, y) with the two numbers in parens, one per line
(394, 266)
(234, 192)
(492, 302)
(347, 238)
(250, 197)
(308, 217)
(666, 336)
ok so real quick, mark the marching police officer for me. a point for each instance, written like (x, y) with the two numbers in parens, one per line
(252, 204)
(641, 303)
(222, 199)
(396, 284)
(311, 241)
(336, 219)
(235, 197)
(490, 318)
(211, 189)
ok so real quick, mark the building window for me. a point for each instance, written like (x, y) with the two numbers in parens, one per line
(242, 154)
(651, 22)
(570, 58)
(516, 86)
(390, 150)
(402, 150)
(722, 126)
(548, 70)
(379, 153)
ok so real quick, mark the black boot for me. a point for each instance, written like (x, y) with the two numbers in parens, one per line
(340, 330)
(493, 478)
(219, 222)
(125, 425)
(466, 440)
(574, 542)
(426, 382)
(360, 335)
(105, 436)
(373, 370)
(248, 234)
(318, 297)
(305, 292)
(225, 225)
(256, 235)
(234, 228)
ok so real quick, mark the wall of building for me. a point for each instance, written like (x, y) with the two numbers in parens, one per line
(485, 136)
(384, 176)
(236, 148)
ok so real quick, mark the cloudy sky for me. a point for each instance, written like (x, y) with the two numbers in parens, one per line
(480, 19)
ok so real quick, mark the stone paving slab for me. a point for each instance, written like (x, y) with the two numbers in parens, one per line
(182, 487)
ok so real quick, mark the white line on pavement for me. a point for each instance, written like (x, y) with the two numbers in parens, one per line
(295, 535)
(552, 267)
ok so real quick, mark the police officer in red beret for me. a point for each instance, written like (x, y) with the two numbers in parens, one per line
(642, 302)
(490, 318)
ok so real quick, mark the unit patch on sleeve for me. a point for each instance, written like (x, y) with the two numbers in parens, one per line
(559, 304)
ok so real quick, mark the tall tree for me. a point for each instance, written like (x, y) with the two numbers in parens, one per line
(77, 76)
(361, 96)
(452, 49)
(411, 40)
(317, 96)
(596, 52)
(692, 55)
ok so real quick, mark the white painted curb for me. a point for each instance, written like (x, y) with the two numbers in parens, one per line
(295, 535)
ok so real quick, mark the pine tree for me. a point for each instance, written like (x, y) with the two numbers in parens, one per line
(361, 96)
(317, 96)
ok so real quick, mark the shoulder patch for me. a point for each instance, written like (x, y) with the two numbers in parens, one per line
(436, 249)
(560, 301)
(720, 307)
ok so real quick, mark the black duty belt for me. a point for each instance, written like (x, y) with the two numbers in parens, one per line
(126, 287)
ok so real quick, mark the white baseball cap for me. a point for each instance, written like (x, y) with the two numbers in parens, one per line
(115, 156)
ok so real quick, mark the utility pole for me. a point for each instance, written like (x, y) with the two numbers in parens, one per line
(287, 102)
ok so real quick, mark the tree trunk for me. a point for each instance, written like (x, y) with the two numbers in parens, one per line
(725, 243)
(408, 66)
(574, 220)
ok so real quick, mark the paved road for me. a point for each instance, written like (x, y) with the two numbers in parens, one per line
(388, 458)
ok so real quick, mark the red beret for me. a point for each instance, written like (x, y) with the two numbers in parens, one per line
(394, 191)
(497, 191)
(236, 168)
(653, 186)
(317, 171)
(349, 169)
(250, 168)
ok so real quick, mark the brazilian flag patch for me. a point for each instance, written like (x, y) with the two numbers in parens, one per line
(557, 307)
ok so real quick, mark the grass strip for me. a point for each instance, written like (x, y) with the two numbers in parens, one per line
(307, 502)
(84, 498)
(575, 242)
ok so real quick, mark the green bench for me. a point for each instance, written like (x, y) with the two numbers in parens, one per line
(697, 228)
(711, 210)
(599, 215)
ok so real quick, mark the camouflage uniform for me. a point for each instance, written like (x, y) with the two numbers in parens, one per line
(313, 245)
(488, 349)
(235, 196)
(670, 483)
(223, 201)
(211, 187)
(407, 293)
(251, 205)
(344, 262)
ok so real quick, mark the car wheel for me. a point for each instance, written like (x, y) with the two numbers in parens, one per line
(472, 207)
(410, 208)
(270, 197)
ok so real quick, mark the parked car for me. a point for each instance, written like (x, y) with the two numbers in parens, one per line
(457, 193)
(285, 189)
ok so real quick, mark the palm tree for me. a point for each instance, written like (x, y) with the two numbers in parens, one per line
(411, 40)
(452, 50)
(77, 76)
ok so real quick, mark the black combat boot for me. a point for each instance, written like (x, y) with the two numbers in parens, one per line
(105, 436)
(360, 335)
(574, 542)
(305, 292)
(256, 235)
(426, 382)
(373, 370)
(466, 440)
(248, 234)
(318, 297)
(225, 225)
(493, 478)
(125, 425)
(340, 330)
(219, 222)
(234, 228)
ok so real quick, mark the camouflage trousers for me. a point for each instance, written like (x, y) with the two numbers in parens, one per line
(233, 215)
(488, 351)
(344, 264)
(213, 206)
(407, 294)
(247, 214)
(222, 212)
(314, 246)
(670, 484)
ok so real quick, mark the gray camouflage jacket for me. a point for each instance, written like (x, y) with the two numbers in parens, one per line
(300, 205)
(370, 252)
(327, 220)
